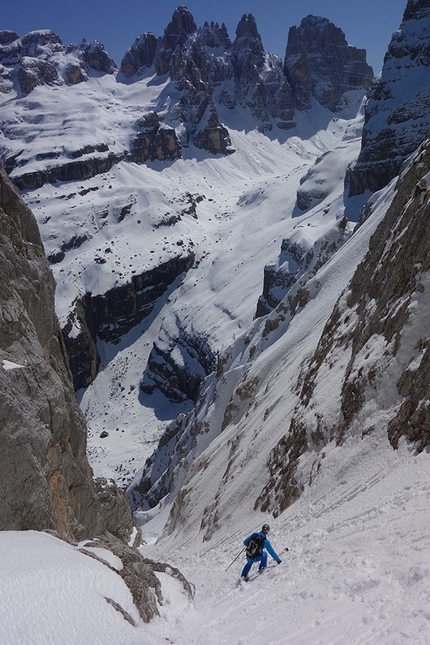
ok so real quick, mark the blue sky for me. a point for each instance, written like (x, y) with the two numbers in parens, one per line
(367, 24)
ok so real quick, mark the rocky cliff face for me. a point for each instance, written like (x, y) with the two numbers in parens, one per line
(114, 313)
(177, 366)
(373, 353)
(45, 477)
(34, 59)
(319, 63)
(297, 264)
(210, 69)
(396, 113)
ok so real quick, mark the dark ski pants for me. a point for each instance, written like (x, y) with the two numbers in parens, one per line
(262, 560)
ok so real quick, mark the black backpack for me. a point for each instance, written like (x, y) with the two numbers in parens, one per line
(255, 546)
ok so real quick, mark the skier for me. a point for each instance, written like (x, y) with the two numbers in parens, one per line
(256, 543)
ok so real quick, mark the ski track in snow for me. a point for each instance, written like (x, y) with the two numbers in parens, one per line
(356, 572)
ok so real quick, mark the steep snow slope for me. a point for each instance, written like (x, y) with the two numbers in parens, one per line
(355, 572)
(249, 408)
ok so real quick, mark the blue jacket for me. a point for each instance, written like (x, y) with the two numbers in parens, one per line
(266, 545)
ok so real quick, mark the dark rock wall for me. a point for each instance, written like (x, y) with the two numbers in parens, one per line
(398, 106)
(114, 313)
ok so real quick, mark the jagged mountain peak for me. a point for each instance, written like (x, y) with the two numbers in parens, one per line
(414, 9)
(7, 36)
(180, 27)
(247, 27)
(213, 35)
(319, 29)
(320, 63)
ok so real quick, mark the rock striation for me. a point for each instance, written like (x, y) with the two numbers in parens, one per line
(397, 109)
(46, 481)
(35, 59)
(110, 315)
(177, 366)
(297, 263)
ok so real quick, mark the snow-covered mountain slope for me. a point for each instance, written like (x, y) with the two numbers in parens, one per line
(344, 361)
(230, 213)
(158, 245)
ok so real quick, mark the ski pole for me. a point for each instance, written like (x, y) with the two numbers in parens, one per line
(236, 558)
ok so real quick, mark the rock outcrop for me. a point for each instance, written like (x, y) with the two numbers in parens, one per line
(40, 58)
(297, 263)
(69, 171)
(154, 141)
(208, 69)
(204, 69)
(139, 574)
(397, 109)
(45, 479)
(178, 366)
(111, 315)
(319, 63)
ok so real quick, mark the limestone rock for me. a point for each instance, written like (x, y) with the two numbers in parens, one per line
(211, 135)
(96, 57)
(139, 574)
(71, 171)
(374, 344)
(7, 37)
(74, 74)
(154, 141)
(177, 366)
(6, 83)
(140, 56)
(80, 339)
(41, 44)
(176, 34)
(113, 314)
(120, 309)
(114, 509)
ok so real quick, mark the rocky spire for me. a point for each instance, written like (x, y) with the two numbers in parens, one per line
(140, 55)
(176, 34)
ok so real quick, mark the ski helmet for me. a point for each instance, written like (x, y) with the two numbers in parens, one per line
(265, 528)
